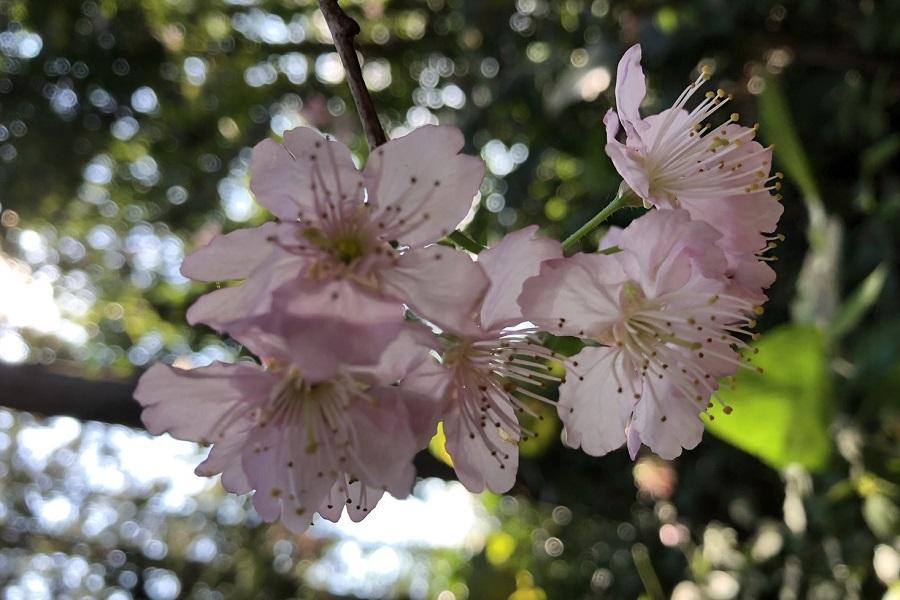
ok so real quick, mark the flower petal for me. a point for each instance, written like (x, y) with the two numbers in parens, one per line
(406, 352)
(230, 256)
(299, 178)
(571, 295)
(594, 401)
(358, 499)
(666, 420)
(426, 388)
(663, 248)
(624, 159)
(225, 308)
(440, 284)
(516, 258)
(482, 456)
(748, 277)
(386, 446)
(225, 457)
(420, 188)
(290, 473)
(742, 219)
(630, 89)
(321, 325)
(200, 405)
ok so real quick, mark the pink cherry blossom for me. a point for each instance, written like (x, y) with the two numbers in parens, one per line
(662, 329)
(490, 369)
(304, 445)
(349, 246)
(719, 174)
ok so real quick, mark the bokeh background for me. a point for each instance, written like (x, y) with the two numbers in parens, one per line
(125, 131)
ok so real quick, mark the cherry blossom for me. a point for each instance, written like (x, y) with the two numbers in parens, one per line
(350, 246)
(719, 174)
(304, 445)
(491, 368)
(662, 327)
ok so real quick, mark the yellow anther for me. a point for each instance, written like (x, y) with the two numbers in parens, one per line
(735, 116)
(720, 93)
(706, 71)
(710, 95)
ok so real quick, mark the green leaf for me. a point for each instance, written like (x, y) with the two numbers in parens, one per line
(778, 128)
(782, 415)
(859, 302)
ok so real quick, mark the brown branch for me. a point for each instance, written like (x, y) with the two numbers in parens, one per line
(343, 30)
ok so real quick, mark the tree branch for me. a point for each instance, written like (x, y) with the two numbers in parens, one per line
(343, 30)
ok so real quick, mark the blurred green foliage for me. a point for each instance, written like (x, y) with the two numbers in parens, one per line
(784, 409)
(125, 127)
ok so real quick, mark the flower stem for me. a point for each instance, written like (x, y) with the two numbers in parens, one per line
(464, 241)
(620, 201)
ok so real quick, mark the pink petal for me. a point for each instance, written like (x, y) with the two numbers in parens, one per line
(283, 468)
(741, 219)
(420, 187)
(630, 89)
(664, 247)
(633, 441)
(426, 390)
(304, 175)
(571, 295)
(200, 404)
(594, 401)
(748, 277)
(409, 349)
(386, 444)
(516, 258)
(322, 325)
(230, 256)
(225, 457)
(667, 421)
(487, 460)
(610, 238)
(442, 285)
(221, 309)
(624, 159)
(363, 500)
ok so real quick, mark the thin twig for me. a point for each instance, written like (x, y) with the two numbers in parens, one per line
(343, 30)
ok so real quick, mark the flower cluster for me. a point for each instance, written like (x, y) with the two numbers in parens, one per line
(369, 332)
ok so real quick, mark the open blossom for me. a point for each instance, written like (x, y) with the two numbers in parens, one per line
(304, 445)
(719, 174)
(350, 246)
(490, 369)
(665, 326)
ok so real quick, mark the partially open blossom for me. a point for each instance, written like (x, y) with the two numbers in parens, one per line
(718, 173)
(304, 445)
(490, 369)
(350, 247)
(665, 330)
